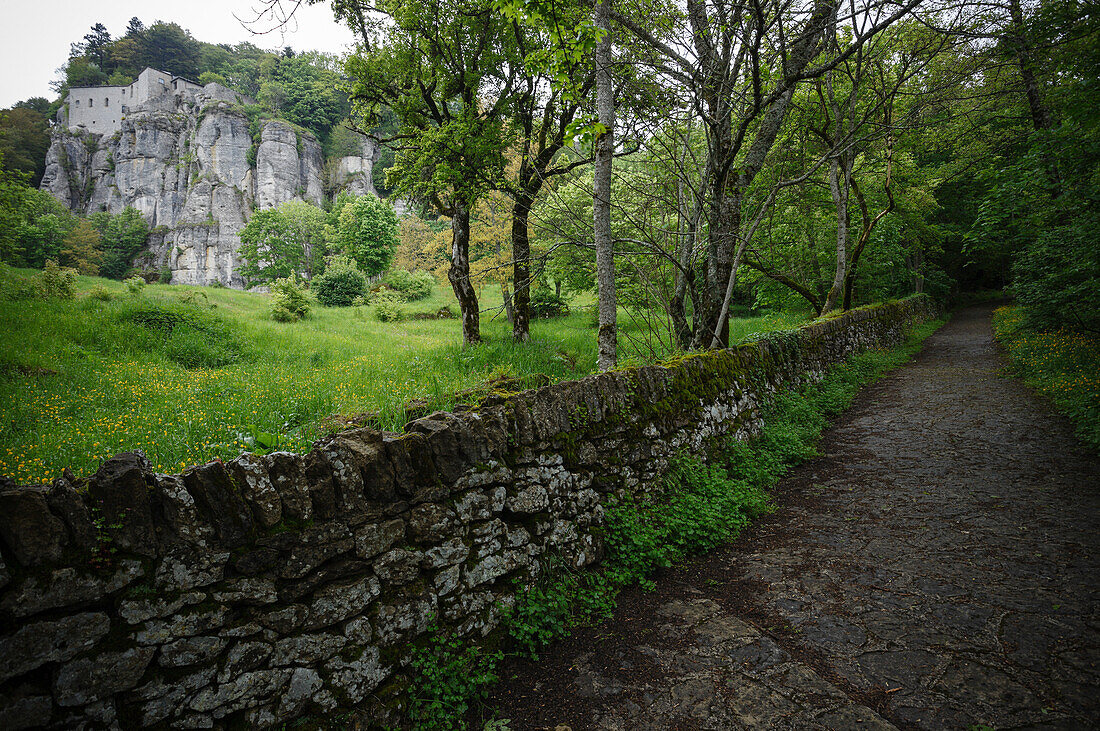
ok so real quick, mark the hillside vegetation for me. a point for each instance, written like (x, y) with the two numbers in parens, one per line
(187, 374)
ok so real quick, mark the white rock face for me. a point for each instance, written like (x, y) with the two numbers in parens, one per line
(187, 170)
(353, 173)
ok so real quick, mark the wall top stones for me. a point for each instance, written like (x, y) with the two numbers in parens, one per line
(271, 587)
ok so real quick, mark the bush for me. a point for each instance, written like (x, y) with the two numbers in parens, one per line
(412, 287)
(341, 283)
(100, 293)
(387, 307)
(135, 284)
(290, 302)
(58, 283)
(187, 334)
(165, 275)
(545, 303)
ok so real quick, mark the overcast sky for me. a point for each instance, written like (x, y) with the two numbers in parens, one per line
(35, 34)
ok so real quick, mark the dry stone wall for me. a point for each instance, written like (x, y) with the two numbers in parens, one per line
(271, 587)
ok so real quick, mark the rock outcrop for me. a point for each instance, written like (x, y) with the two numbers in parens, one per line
(191, 165)
(353, 172)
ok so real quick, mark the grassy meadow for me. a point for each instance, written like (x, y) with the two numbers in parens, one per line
(110, 371)
(1063, 365)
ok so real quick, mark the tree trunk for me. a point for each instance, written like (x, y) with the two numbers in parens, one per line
(506, 296)
(839, 187)
(607, 339)
(459, 276)
(521, 270)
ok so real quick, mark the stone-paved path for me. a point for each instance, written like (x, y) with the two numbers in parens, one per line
(937, 568)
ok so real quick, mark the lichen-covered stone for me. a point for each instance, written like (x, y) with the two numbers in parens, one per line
(318, 545)
(93, 678)
(184, 569)
(374, 538)
(336, 603)
(307, 649)
(356, 678)
(190, 651)
(67, 586)
(38, 643)
(398, 567)
(250, 475)
(158, 632)
(31, 532)
(243, 691)
(397, 621)
(136, 611)
(429, 523)
(250, 590)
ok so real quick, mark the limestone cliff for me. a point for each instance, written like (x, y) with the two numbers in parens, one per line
(190, 164)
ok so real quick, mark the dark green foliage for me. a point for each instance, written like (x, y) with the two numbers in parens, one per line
(387, 307)
(413, 286)
(121, 238)
(448, 676)
(340, 284)
(56, 282)
(545, 303)
(24, 139)
(190, 335)
(366, 231)
(289, 303)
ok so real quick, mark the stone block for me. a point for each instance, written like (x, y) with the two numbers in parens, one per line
(220, 503)
(65, 502)
(67, 586)
(249, 473)
(31, 532)
(38, 643)
(398, 567)
(430, 523)
(334, 604)
(120, 490)
(191, 651)
(90, 679)
(288, 476)
(356, 678)
(372, 539)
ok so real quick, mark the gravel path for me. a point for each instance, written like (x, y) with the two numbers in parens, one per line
(937, 568)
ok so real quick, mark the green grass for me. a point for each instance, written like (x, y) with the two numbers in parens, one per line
(85, 379)
(1063, 365)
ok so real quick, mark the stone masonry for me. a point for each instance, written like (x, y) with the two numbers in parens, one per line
(274, 587)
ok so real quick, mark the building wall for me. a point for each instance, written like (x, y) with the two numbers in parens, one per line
(100, 109)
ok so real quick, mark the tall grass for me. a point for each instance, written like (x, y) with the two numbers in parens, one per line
(1063, 365)
(85, 379)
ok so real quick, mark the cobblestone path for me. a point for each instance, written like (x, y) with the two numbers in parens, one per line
(937, 568)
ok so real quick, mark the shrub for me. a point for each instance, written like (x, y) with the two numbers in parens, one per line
(387, 307)
(341, 283)
(58, 283)
(100, 293)
(545, 303)
(290, 302)
(185, 333)
(165, 275)
(412, 287)
(135, 284)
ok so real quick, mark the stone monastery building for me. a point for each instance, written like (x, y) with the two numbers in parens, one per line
(101, 109)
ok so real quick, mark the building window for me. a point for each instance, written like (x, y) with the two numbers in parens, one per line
(78, 102)
(106, 102)
(91, 102)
